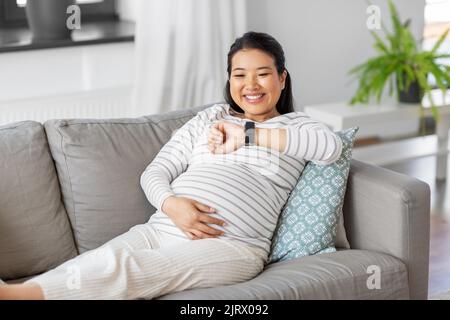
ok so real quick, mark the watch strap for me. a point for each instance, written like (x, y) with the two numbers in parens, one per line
(249, 130)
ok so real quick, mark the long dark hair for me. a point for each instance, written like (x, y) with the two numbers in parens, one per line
(268, 44)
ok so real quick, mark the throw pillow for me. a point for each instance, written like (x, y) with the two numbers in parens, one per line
(308, 222)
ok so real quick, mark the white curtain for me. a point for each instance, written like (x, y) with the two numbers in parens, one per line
(181, 52)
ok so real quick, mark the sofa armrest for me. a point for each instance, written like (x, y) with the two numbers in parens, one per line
(390, 212)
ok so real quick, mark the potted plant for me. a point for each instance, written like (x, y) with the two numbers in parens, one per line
(401, 64)
(47, 19)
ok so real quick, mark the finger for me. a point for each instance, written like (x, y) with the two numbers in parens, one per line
(201, 235)
(211, 220)
(215, 140)
(215, 130)
(191, 235)
(203, 207)
(208, 230)
(217, 134)
(220, 126)
(219, 148)
(216, 126)
(222, 148)
(212, 149)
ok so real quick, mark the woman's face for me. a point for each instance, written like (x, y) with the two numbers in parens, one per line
(255, 84)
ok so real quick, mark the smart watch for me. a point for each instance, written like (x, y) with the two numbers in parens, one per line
(249, 130)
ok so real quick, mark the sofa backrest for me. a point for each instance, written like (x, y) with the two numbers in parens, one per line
(35, 233)
(99, 165)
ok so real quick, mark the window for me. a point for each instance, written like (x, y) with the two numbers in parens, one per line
(12, 12)
(437, 20)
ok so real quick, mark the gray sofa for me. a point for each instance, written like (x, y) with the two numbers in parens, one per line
(69, 186)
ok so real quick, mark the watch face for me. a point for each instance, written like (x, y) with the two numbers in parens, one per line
(249, 136)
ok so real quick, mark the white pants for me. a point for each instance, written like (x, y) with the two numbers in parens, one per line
(146, 263)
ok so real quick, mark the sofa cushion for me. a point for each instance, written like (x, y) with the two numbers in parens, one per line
(308, 223)
(338, 275)
(99, 164)
(35, 233)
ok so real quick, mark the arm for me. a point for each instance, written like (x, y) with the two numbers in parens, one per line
(169, 163)
(306, 139)
(172, 160)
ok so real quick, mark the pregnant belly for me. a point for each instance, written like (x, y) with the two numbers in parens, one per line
(244, 203)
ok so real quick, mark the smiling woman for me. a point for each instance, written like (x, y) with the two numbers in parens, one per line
(258, 80)
(218, 198)
(257, 88)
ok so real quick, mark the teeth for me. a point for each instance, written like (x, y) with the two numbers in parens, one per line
(254, 97)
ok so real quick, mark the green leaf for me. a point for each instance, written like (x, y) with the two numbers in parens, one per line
(439, 76)
(400, 62)
(442, 56)
(379, 44)
(439, 42)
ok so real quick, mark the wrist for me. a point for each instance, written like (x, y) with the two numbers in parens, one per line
(167, 204)
(271, 138)
(262, 137)
(257, 134)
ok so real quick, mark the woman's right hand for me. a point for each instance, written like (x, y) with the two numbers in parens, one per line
(192, 217)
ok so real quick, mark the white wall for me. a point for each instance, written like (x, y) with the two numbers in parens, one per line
(323, 39)
(56, 71)
(83, 81)
(128, 9)
(80, 81)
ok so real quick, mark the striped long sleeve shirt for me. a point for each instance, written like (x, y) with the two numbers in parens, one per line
(247, 187)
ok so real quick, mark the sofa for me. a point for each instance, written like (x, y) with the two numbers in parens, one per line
(70, 185)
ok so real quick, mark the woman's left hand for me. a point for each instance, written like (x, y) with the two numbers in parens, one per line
(225, 137)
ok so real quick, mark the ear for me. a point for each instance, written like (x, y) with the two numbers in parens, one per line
(283, 79)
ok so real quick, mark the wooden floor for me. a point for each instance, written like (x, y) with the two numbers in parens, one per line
(424, 169)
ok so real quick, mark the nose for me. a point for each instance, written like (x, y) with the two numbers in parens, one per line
(251, 83)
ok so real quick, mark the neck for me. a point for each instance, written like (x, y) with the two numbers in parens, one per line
(262, 117)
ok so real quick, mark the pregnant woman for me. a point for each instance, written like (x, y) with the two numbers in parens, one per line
(219, 185)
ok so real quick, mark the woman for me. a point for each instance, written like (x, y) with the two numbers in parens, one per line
(218, 198)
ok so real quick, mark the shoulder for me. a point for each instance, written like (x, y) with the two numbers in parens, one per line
(213, 112)
(296, 115)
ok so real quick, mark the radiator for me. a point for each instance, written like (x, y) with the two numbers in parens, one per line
(108, 103)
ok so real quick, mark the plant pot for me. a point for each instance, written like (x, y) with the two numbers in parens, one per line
(47, 19)
(413, 94)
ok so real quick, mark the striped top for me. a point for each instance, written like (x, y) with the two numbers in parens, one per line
(247, 187)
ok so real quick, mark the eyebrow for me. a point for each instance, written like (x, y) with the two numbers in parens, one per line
(256, 69)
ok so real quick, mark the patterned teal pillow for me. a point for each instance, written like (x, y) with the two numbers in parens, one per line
(308, 222)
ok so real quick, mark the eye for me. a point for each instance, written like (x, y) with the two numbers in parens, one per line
(264, 74)
(238, 75)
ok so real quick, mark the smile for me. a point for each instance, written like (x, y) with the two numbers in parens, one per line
(254, 98)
